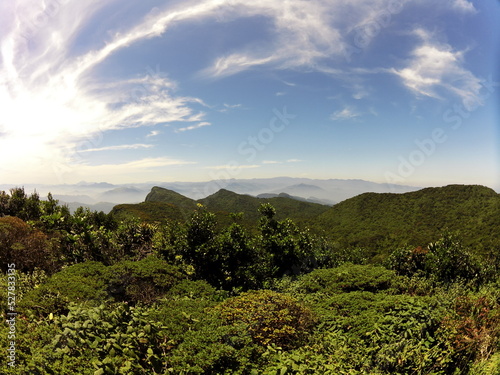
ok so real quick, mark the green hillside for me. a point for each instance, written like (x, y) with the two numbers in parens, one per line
(225, 201)
(162, 204)
(150, 211)
(416, 218)
(159, 194)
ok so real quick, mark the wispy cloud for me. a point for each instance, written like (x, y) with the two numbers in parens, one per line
(153, 133)
(125, 171)
(117, 148)
(294, 160)
(304, 34)
(270, 162)
(463, 6)
(234, 167)
(192, 127)
(50, 104)
(435, 68)
(348, 113)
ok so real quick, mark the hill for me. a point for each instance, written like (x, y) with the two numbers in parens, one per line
(416, 218)
(162, 204)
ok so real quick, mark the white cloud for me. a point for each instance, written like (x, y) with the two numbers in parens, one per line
(126, 171)
(464, 6)
(293, 160)
(305, 34)
(232, 105)
(192, 127)
(50, 106)
(117, 148)
(436, 68)
(153, 133)
(233, 167)
(270, 162)
(347, 113)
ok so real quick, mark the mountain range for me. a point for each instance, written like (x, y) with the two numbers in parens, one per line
(102, 196)
(369, 220)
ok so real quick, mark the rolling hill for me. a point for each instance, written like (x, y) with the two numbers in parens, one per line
(416, 218)
(377, 221)
(164, 204)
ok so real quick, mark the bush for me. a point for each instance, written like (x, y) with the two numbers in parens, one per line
(446, 260)
(348, 278)
(24, 246)
(142, 281)
(269, 317)
(116, 339)
(474, 328)
(80, 283)
(381, 333)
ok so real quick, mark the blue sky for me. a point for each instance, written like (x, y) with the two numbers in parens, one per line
(398, 91)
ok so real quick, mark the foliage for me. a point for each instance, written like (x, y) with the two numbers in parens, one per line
(348, 278)
(24, 246)
(116, 339)
(387, 221)
(446, 259)
(94, 283)
(268, 317)
(109, 294)
(288, 248)
(475, 327)
(80, 283)
(142, 281)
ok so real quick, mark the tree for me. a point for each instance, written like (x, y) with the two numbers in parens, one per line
(24, 246)
(289, 250)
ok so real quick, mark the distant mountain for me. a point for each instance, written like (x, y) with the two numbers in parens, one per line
(105, 207)
(99, 185)
(123, 194)
(83, 199)
(415, 218)
(333, 190)
(312, 190)
(286, 207)
(161, 204)
(285, 195)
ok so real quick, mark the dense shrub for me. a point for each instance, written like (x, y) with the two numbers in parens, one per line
(269, 317)
(24, 246)
(347, 278)
(116, 339)
(475, 328)
(142, 281)
(83, 282)
(381, 333)
(447, 260)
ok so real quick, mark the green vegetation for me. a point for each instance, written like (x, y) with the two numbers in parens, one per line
(385, 221)
(163, 204)
(204, 291)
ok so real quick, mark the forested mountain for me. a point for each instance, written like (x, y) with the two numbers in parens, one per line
(380, 221)
(416, 218)
(161, 204)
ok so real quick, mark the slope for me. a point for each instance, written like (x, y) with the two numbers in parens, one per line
(163, 204)
(416, 218)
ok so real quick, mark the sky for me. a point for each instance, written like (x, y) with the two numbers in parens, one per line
(121, 91)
